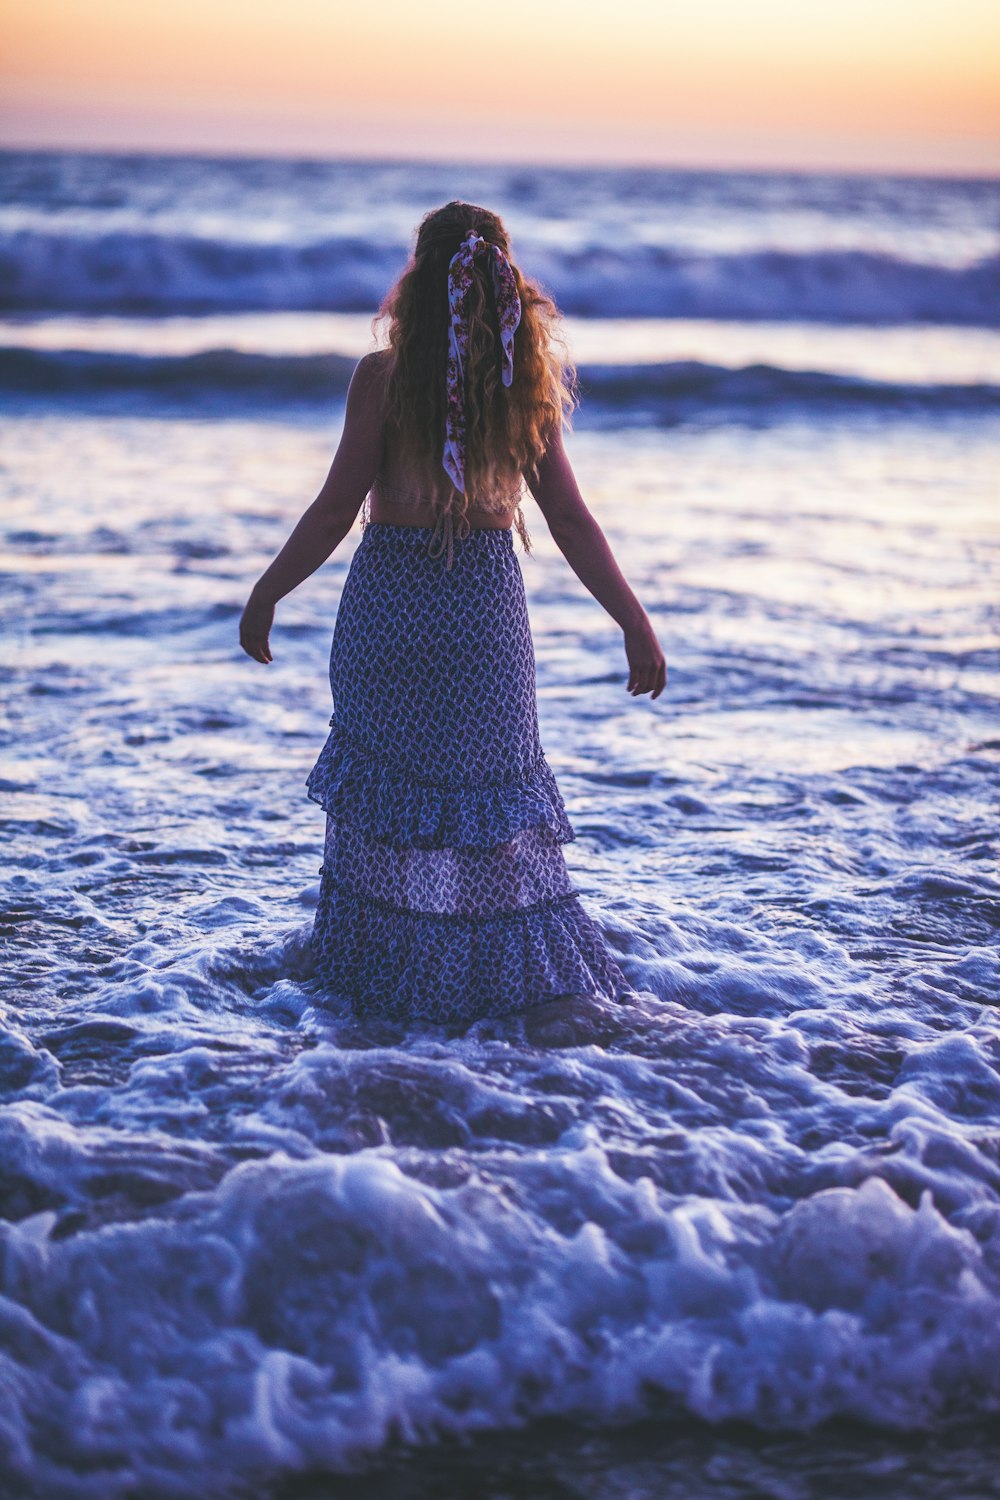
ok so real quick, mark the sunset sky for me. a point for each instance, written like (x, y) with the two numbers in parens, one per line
(908, 84)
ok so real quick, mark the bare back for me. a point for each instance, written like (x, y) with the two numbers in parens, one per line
(401, 496)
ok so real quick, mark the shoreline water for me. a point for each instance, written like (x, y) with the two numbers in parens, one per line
(677, 1460)
(242, 1238)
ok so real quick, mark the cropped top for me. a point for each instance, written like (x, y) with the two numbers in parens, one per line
(445, 529)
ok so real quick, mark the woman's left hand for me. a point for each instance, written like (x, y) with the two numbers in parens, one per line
(255, 627)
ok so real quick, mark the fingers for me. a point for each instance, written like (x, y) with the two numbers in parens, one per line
(256, 646)
(647, 677)
(255, 630)
(259, 653)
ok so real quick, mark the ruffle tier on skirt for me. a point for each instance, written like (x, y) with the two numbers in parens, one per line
(445, 894)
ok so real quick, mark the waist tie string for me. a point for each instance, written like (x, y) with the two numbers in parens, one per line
(443, 537)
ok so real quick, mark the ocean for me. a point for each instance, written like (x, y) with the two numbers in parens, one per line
(739, 1237)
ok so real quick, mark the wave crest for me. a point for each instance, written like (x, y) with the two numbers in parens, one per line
(161, 274)
(649, 393)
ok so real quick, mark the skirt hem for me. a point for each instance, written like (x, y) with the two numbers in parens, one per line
(403, 965)
(396, 807)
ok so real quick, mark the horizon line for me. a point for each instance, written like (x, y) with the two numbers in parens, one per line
(582, 164)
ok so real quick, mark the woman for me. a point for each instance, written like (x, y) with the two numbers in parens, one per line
(445, 894)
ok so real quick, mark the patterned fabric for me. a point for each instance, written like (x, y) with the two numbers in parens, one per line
(445, 894)
(508, 304)
(444, 531)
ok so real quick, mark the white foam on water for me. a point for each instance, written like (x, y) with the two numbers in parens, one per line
(244, 1235)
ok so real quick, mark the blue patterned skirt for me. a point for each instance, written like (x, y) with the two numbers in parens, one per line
(445, 894)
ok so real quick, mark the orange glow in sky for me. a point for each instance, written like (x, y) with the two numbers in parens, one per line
(911, 84)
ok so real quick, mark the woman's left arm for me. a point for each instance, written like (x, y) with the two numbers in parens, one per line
(330, 517)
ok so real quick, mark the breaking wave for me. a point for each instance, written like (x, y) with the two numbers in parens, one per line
(161, 273)
(647, 392)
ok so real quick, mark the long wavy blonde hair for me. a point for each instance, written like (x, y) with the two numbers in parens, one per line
(507, 428)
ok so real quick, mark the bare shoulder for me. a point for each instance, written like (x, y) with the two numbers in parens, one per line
(366, 392)
(370, 370)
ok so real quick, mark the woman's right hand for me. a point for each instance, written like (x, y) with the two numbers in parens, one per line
(647, 665)
(255, 627)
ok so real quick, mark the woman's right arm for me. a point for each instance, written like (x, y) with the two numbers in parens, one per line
(322, 528)
(585, 547)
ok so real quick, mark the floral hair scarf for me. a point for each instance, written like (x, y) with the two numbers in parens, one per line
(460, 272)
